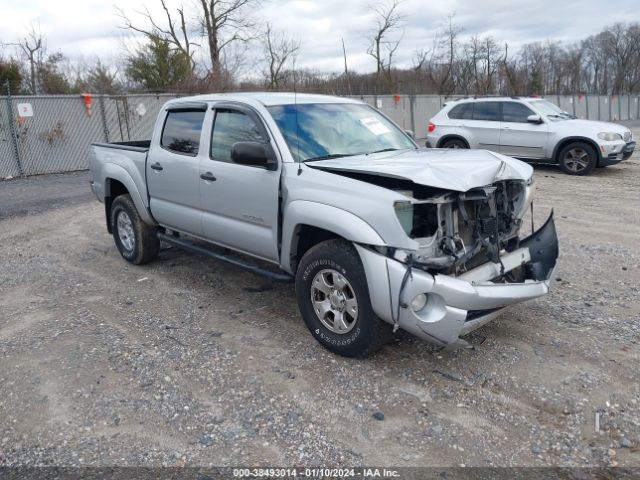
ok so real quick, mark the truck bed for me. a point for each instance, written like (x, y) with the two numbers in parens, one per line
(123, 162)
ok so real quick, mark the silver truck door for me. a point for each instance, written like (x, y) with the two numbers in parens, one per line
(484, 127)
(173, 170)
(239, 202)
(518, 137)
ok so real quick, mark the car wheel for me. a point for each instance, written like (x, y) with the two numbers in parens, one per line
(454, 143)
(333, 297)
(578, 158)
(136, 241)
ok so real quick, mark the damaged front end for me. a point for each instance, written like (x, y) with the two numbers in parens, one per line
(470, 264)
(457, 231)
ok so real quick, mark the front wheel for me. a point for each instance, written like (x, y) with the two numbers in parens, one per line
(136, 241)
(578, 158)
(333, 297)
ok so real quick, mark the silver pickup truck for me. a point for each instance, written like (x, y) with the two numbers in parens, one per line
(327, 192)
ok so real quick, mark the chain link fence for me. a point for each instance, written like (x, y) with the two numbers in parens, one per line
(51, 134)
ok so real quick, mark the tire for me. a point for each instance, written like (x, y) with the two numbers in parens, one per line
(577, 158)
(454, 143)
(327, 266)
(136, 241)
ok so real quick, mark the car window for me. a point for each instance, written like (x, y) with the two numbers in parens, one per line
(181, 132)
(461, 112)
(229, 127)
(515, 112)
(486, 111)
(314, 130)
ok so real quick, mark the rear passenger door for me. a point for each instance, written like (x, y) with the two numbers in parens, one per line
(484, 126)
(173, 170)
(518, 137)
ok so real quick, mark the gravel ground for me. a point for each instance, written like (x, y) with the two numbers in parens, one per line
(192, 362)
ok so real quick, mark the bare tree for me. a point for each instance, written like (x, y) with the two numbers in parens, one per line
(32, 47)
(178, 36)
(279, 51)
(220, 22)
(444, 56)
(225, 22)
(383, 41)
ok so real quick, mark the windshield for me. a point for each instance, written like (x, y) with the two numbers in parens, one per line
(316, 131)
(550, 110)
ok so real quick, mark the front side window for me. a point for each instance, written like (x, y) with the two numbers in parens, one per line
(487, 111)
(515, 112)
(232, 126)
(181, 132)
(315, 131)
(550, 110)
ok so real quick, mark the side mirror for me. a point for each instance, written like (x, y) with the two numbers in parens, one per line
(534, 119)
(410, 133)
(255, 154)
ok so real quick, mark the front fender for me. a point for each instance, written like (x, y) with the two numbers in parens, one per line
(333, 219)
(111, 171)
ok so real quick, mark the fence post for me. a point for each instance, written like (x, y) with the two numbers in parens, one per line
(12, 127)
(586, 104)
(412, 99)
(103, 116)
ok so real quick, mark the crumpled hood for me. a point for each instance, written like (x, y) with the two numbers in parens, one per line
(449, 169)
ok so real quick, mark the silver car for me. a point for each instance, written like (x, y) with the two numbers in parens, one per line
(531, 129)
(376, 233)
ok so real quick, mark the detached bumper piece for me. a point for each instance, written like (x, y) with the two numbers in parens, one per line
(458, 305)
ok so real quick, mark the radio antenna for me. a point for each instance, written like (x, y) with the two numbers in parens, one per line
(295, 106)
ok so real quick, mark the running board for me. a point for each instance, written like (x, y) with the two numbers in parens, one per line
(192, 247)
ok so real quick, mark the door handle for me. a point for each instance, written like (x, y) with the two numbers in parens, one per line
(208, 177)
(157, 166)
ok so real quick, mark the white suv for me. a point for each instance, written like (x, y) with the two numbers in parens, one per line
(530, 129)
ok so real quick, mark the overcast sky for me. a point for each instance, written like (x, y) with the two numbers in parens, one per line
(89, 28)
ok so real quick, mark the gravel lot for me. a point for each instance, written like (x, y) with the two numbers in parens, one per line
(192, 362)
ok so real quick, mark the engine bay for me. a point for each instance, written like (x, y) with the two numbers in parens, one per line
(458, 231)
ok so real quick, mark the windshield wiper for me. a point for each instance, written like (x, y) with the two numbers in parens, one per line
(384, 150)
(328, 157)
(561, 115)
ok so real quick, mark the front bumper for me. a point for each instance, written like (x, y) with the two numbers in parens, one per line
(459, 305)
(616, 152)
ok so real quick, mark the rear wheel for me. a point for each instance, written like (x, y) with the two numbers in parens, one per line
(578, 158)
(333, 297)
(136, 241)
(454, 143)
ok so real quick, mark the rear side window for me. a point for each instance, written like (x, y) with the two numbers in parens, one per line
(486, 111)
(181, 132)
(515, 112)
(462, 112)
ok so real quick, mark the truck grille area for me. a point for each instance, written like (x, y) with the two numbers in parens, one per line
(466, 229)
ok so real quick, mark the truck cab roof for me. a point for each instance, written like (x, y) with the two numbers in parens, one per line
(265, 98)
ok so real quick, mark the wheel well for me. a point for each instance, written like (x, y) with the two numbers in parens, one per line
(306, 237)
(114, 189)
(567, 141)
(451, 137)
